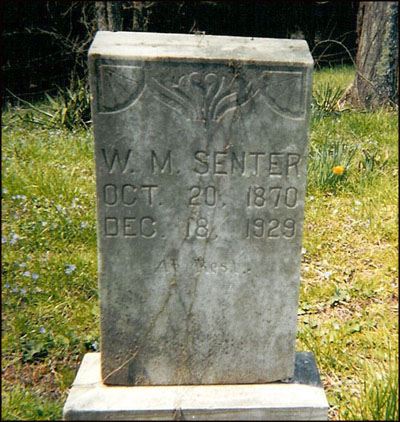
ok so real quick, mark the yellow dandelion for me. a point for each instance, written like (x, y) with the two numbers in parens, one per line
(338, 170)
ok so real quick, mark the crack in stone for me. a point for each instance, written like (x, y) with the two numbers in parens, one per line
(189, 336)
(120, 367)
(143, 342)
(172, 283)
(178, 415)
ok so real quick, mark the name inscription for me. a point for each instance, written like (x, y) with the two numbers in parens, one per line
(222, 163)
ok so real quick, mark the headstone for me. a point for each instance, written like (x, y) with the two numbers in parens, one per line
(201, 156)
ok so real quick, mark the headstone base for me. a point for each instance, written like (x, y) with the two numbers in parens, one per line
(303, 398)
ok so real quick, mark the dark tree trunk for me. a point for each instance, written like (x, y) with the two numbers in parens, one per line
(377, 60)
(141, 15)
(109, 16)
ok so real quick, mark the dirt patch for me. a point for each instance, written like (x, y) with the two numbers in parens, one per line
(46, 378)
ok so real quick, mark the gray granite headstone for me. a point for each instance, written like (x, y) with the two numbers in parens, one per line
(201, 156)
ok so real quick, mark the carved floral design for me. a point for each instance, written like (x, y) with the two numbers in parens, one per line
(205, 97)
(202, 97)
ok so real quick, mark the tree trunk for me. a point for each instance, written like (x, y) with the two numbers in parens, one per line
(141, 14)
(377, 60)
(108, 15)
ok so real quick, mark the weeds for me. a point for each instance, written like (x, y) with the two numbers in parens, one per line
(378, 396)
(371, 163)
(381, 397)
(70, 108)
(329, 165)
(325, 100)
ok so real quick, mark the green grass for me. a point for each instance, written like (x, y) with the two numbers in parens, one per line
(338, 76)
(50, 310)
(348, 299)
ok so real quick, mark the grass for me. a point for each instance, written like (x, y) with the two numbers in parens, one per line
(49, 291)
(349, 299)
(348, 310)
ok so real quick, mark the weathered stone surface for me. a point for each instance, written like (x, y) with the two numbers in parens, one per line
(201, 155)
(303, 399)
